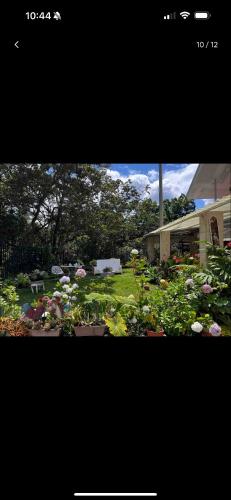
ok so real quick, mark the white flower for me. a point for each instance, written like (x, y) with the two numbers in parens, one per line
(65, 287)
(134, 252)
(75, 286)
(65, 279)
(133, 320)
(73, 299)
(65, 296)
(131, 297)
(112, 310)
(189, 282)
(69, 290)
(57, 294)
(146, 309)
(197, 327)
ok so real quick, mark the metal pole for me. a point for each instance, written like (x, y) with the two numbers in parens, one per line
(215, 189)
(161, 207)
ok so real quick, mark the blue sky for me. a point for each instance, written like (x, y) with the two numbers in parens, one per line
(177, 177)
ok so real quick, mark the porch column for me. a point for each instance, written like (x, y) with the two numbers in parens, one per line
(204, 236)
(164, 244)
(212, 230)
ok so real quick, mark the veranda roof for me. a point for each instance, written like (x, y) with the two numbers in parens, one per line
(192, 220)
(211, 180)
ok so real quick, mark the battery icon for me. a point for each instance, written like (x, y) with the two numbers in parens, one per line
(202, 15)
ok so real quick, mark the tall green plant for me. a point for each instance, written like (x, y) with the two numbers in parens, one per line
(8, 302)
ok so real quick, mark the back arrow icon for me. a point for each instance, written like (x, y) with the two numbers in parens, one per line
(16, 44)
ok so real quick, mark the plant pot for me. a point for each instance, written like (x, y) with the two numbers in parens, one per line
(89, 331)
(150, 333)
(45, 333)
(206, 334)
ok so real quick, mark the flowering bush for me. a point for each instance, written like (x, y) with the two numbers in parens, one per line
(197, 327)
(64, 279)
(80, 273)
(189, 282)
(206, 288)
(215, 330)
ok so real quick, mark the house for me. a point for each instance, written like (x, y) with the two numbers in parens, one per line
(211, 223)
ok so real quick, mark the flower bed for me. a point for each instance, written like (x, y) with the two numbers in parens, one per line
(187, 301)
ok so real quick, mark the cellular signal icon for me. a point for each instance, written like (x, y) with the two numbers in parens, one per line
(170, 16)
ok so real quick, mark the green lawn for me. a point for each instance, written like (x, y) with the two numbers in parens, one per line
(118, 284)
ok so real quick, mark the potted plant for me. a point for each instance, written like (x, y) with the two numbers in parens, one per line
(107, 270)
(87, 318)
(46, 327)
(67, 327)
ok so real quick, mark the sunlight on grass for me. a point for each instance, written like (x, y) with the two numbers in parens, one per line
(118, 284)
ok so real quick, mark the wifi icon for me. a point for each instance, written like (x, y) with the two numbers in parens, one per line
(184, 14)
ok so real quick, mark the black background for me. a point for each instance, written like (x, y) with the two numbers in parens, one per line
(115, 414)
(87, 26)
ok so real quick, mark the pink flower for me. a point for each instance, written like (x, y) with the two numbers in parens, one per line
(49, 302)
(206, 289)
(229, 244)
(80, 273)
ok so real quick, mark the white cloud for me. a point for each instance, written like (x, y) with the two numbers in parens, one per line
(115, 175)
(175, 181)
(153, 175)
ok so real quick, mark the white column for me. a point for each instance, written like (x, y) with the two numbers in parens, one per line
(164, 244)
(206, 235)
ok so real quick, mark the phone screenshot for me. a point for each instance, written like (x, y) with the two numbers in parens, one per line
(115, 251)
(64, 28)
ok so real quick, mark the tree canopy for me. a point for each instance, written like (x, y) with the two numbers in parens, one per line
(78, 209)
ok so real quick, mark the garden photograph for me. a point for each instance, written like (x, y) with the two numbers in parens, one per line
(115, 250)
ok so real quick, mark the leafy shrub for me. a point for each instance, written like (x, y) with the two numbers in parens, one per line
(22, 280)
(8, 302)
(44, 274)
(152, 274)
(92, 263)
(219, 262)
(117, 325)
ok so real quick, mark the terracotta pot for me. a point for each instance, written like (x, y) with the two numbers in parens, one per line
(206, 334)
(89, 331)
(45, 333)
(150, 333)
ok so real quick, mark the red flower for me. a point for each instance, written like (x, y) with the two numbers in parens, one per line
(229, 244)
(178, 260)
